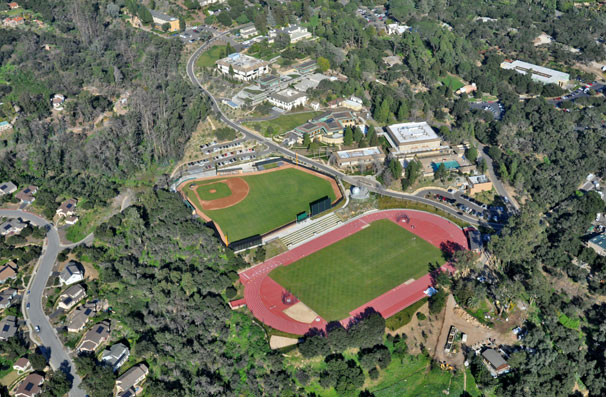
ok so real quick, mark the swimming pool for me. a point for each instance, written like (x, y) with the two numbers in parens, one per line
(450, 165)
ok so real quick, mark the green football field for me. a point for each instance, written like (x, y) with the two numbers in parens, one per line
(344, 276)
(220, 188)
(274, 199)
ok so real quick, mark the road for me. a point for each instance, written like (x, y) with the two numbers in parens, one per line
(370, 184)
(34, 316)
(578, 93)
(496, 182)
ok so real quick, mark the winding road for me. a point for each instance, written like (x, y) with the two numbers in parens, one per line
(370, 184)
(47, 338)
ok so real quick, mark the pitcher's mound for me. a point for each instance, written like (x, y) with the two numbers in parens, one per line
(212, 191)
(276, 342)
(300, 312)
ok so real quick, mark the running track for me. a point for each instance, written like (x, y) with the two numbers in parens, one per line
(263, 295)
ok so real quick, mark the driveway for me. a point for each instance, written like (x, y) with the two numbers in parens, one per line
(47, 338)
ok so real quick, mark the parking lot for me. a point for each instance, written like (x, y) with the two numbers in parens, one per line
(196, 33)
(468, 205)
(493, 107)
(581, 92)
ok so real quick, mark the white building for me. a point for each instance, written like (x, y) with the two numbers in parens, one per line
(537, 73)
(72, 273)
(248, 30)
(204, 3)
(414, 137)
(288, 99)
(396, 28)
(353, 103)
(295, 32)
(244, 67)
(353, 157)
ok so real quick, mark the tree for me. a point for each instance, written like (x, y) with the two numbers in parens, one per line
(182, 24)
(306, 140)
(437, 302)
(348, 136)
(38, 361)
(144, 14)
(395, 167)
(57, 384)
(441, 173)
(357, 135)
(413, 171)
(323, 64)
(472, 154)
(165, 26)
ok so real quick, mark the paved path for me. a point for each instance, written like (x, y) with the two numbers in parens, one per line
(47, 338)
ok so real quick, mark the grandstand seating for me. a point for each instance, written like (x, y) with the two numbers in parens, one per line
(317, 227)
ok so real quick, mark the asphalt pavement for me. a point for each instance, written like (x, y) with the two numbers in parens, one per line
(46, 339)
(493, 107)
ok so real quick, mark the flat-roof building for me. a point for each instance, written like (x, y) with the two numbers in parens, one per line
(537, 73)
(306, 67)
(244, 67)
(160, 18)
(414, 137)
(598, 244)
(288, 99)
(248, 30)
(346, 158)
(326, 124)
(296, 33)
(479, 183)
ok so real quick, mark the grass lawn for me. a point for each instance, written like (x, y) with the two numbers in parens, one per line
(404, 316)
(283, 123)
(353, 271)
(412, 377)
(220, 190)
(274, 199)
(208, 58)
(451, 81)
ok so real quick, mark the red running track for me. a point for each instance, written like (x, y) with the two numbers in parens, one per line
(263, 295)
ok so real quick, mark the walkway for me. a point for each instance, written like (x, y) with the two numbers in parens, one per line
(264, 296)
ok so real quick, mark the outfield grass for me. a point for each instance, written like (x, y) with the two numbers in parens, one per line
(353, 271)
(283, 123)
(221, 190)
(451, 81)
(208, 58)
(274, 199)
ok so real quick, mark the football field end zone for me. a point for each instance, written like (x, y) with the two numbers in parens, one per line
(285, 165)
(430, 227)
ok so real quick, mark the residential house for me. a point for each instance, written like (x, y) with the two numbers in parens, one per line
(71, 220)
(128, 384)
(160, 19)
(7, 188)
(392, 60)
(94, 337)
(72, 273)
(495, 362)
(242, 67)
(8, 327)
(479, 183)
(13, 5)
(12, 226)
(31, 386)
(67, 208)
(13, 22)
(26, 195)
(248, 30)
(83, 313)
(71, 296)
(22, 365)
(5, 125)
(8, 271)
(57, 102)
(287, 99)
(6, 297)
(115, 356)
(467, 89)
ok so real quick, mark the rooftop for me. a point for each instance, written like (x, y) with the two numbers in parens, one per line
(287, 95)
(599, 240)
(242, 61)
(162, 16)
(412, 132)
(479, 179)
(369, 151)
(539, 73)
(494, 358)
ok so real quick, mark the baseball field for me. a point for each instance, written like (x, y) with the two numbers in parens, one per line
(249, 204)
(344, 276)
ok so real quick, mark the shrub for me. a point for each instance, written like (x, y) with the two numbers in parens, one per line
(230, 292)
(421, 316)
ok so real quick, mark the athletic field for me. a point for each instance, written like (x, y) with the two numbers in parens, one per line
(344, 276)
(246, 205)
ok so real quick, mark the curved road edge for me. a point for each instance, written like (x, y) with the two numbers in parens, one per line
(35, 316)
